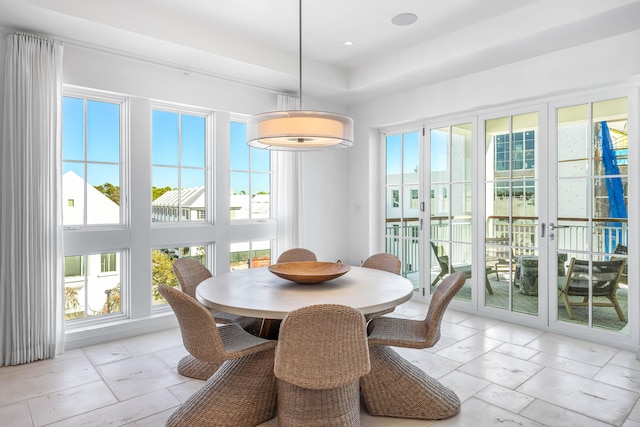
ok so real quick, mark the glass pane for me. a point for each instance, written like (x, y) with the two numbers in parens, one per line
(573, 214)
(461, 152)
(161, 272)
(461, 212)
(73, 194)
(73, 128)
(192, 194)
(440, 262)
(410, 252)
(439, 200)
(498, 148)
(411, 153)
(573, 141)
(394, 159)
(260, 197)
(164, 139)
(592, 292)
(260, 160)
(103, 131)
(74, 287)
(239, 148)
(193, 140)
(525, 283)
(440, 155)
(392, 236)
(165, 194)
(103, 290)
(393, 202)
(260, 254)
(240, 197)
(103, 205)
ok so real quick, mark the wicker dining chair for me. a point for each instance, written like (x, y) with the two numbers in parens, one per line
(321, 354)
(241, 387)
(396, 387)
(297, 255)
(190, 273)
(385, 262)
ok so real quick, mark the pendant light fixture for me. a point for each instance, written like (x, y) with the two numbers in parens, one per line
(299, 130)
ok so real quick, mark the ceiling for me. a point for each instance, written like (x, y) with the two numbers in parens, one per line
(256, 41)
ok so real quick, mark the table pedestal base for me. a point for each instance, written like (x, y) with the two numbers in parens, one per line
(397, 388)
(242, 393)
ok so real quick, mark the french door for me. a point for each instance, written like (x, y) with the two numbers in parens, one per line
(533, 206)
(589, 231)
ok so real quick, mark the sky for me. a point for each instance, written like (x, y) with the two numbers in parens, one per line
(177, 140)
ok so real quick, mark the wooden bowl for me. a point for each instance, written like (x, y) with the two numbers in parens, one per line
(309, 271)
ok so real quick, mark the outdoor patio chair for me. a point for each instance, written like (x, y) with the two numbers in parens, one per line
(397, 388)
(446, 268)
(297, 255)
(605, 276)
(385, 262)
(621, 250)
(498, 253)
(190, 273)
(321, 355)
(241, 387)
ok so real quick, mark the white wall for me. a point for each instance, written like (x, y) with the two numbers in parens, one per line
(602, 63)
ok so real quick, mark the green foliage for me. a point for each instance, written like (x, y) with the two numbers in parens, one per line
(112, 305)
(158, 191)
(111, 191)
(161, 273)
(72, 304)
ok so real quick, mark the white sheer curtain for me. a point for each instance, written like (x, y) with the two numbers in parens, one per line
(288, 187)
(31, 273)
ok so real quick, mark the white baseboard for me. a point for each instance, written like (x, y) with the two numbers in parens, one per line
(104, 332)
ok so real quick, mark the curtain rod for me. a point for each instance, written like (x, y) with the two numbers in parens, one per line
(37, 37)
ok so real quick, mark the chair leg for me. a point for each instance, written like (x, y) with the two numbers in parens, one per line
(616, 305)
(396, 388)
(567, 304)
(242, 393)
(488, 285)
(437, 278)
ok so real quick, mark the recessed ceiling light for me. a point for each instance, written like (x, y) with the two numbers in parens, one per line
(404, 19)
(349, 43)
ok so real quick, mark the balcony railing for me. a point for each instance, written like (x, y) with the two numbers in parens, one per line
(403, 242)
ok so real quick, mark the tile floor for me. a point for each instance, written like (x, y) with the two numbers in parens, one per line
(504, 374)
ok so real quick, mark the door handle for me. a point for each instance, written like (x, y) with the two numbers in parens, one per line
(552, 226)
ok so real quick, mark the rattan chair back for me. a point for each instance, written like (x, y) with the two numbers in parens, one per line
(190, 272)
(198, 328)
(297, 255)
(322, 346)
(383, 261)
(440, 300)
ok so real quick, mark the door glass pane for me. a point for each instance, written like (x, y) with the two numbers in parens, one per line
(402, 203)
(440, 155)
(511, 212)
(592, 211)
(450, 204)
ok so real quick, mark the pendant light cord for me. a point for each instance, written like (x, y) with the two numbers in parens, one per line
(300, 52)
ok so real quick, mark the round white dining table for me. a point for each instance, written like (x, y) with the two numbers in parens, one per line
(256, 292)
